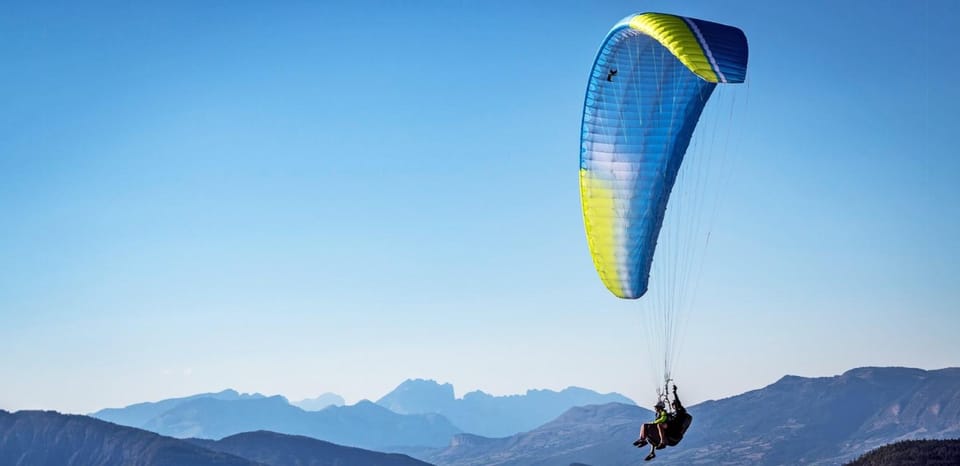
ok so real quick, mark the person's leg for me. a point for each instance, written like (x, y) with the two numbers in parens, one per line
(662, 430)
(652, 454)
(653, 434)
(643, 437)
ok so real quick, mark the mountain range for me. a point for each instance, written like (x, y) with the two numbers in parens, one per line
(364, 425)
(46, 438)
(487, 415)
(414, 417)
(825, 420)
(796, 420)
(137, 415)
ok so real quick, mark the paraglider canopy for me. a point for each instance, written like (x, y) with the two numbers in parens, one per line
(636, 129)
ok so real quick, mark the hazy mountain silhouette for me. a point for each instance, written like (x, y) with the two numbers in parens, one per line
(42, 438)
(364, 425)
(795, 420)
(216, 415)
(139, 414)
(597, 434)
(589, 434)
(926, 452)
(320, 402)
(294, 450)
(488, 415)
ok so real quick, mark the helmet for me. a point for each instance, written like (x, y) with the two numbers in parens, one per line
(659, 405)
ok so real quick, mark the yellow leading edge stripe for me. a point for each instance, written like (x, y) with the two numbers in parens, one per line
(601, 199)
(674, 33)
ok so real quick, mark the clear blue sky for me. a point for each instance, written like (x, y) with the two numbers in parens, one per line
(303, 197)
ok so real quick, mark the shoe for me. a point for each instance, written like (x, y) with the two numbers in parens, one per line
(640, 443)
(661, 446)
(651, 456)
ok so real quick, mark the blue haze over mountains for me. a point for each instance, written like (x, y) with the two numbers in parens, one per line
(491, 416)
(320, 402)
(138, 415)
(364, 424)
(417, 414)
(825, 420)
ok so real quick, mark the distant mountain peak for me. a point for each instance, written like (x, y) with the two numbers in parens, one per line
(418, 396)
(322, 401)
(491, 415)
(228, 394)
(365, 404)
(225, 394)
(139, 414)
(478, 394)
(418, 380)
(426, 384)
